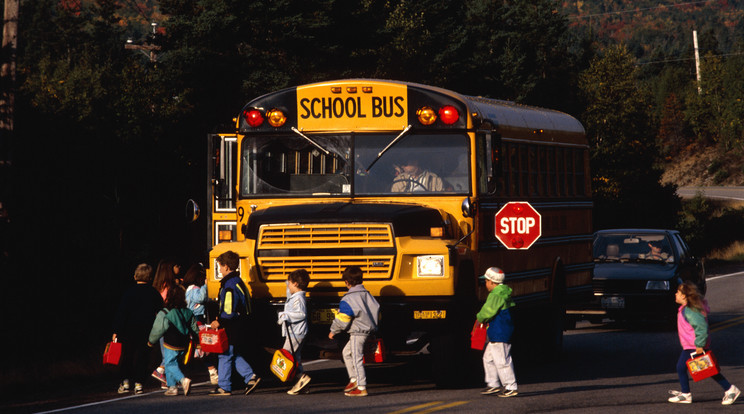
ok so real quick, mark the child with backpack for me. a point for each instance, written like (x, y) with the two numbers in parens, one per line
(177, 326)
(294, 323)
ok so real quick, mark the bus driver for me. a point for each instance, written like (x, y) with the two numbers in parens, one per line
(411, 177)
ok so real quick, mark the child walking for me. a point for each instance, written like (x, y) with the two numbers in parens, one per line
(165, 278)
(234, 310)
(294, 316)
(196, 298)
(692, 327)
(497, 360)
(177, 326)
(358, 315)
(137, 309)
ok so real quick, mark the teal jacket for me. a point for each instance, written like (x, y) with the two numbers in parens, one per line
(176, 326)
(497, 313)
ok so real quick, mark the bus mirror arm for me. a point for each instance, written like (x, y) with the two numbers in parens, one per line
(452, 247)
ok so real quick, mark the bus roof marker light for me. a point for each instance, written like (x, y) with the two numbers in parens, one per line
(426, 115)
(336, 89)
(351, 89)
(276, 118)
(367, 89)
(253, 117)
(448, 114)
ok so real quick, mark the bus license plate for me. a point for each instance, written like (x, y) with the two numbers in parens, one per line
(322, 316)
(613, 302)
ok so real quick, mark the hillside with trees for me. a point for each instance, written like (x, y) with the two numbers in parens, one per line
(698, 127)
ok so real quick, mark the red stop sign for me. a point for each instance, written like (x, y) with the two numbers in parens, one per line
(517, 225)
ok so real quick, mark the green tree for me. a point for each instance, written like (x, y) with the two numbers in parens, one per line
(626, 186)
(715, 112)
(673, 133)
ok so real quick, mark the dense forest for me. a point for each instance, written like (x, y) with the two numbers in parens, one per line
(110, 141)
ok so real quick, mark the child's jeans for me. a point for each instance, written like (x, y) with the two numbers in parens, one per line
(684, 380)
(232, 358)
(498, 365)
(353, 354)
(297, 344)
(173, 374)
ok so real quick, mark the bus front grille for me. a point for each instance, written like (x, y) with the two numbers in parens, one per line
(325, 250)
(324, 267)
(298, 236)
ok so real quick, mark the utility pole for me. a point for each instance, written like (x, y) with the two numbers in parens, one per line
(147, 49)
(697, 60)
(8, 77)
(7, 106)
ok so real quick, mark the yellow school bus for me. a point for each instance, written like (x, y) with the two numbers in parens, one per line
(405, 181)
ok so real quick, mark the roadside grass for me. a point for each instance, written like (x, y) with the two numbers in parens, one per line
(714, 229)
(732, 253)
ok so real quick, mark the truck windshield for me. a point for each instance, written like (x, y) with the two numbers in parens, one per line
(290, 165)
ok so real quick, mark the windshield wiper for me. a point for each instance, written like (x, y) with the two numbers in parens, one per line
(393, 142)
(297, 131)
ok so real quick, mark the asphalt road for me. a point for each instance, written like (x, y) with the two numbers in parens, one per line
(728, 193)
(605, 367)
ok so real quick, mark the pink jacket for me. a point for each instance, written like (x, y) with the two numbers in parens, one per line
(687, 332)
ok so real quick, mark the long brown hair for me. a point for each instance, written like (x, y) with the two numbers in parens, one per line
(164, 276)
(692, 294)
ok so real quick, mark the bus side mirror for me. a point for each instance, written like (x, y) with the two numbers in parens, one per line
(467, 208)
(192, 211)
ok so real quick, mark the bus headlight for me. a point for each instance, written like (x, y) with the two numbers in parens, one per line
(657, 285)
(430, 266)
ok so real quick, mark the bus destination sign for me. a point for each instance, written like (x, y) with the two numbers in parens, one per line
(352, 106)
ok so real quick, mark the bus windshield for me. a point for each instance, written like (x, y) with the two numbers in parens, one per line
(336, 164)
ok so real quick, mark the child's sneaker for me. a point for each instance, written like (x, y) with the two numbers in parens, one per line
(680, 397)
(356, 392)
(491, 390)
(160, 376)
(173, 390)
(124, 387)
(214, 378)
(508, 393)
(250, 385)
(352, 385)
(219, 392)
(731, 395)
(300, 385)
(186, 385)
(138, 388)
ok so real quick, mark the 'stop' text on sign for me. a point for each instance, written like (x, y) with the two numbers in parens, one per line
(517, 225)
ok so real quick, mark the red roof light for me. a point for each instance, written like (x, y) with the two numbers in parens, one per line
(253, 117)
(448, 114)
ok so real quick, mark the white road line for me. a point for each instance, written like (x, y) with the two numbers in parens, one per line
(724, 276)
(93, 404)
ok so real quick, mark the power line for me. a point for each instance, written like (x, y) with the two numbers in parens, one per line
(685, 59)
(586, 16)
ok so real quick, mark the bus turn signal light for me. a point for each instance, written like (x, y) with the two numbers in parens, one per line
(276, 118)
(225, 235)
(448, 114)
(253, 117)
(426, 115)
